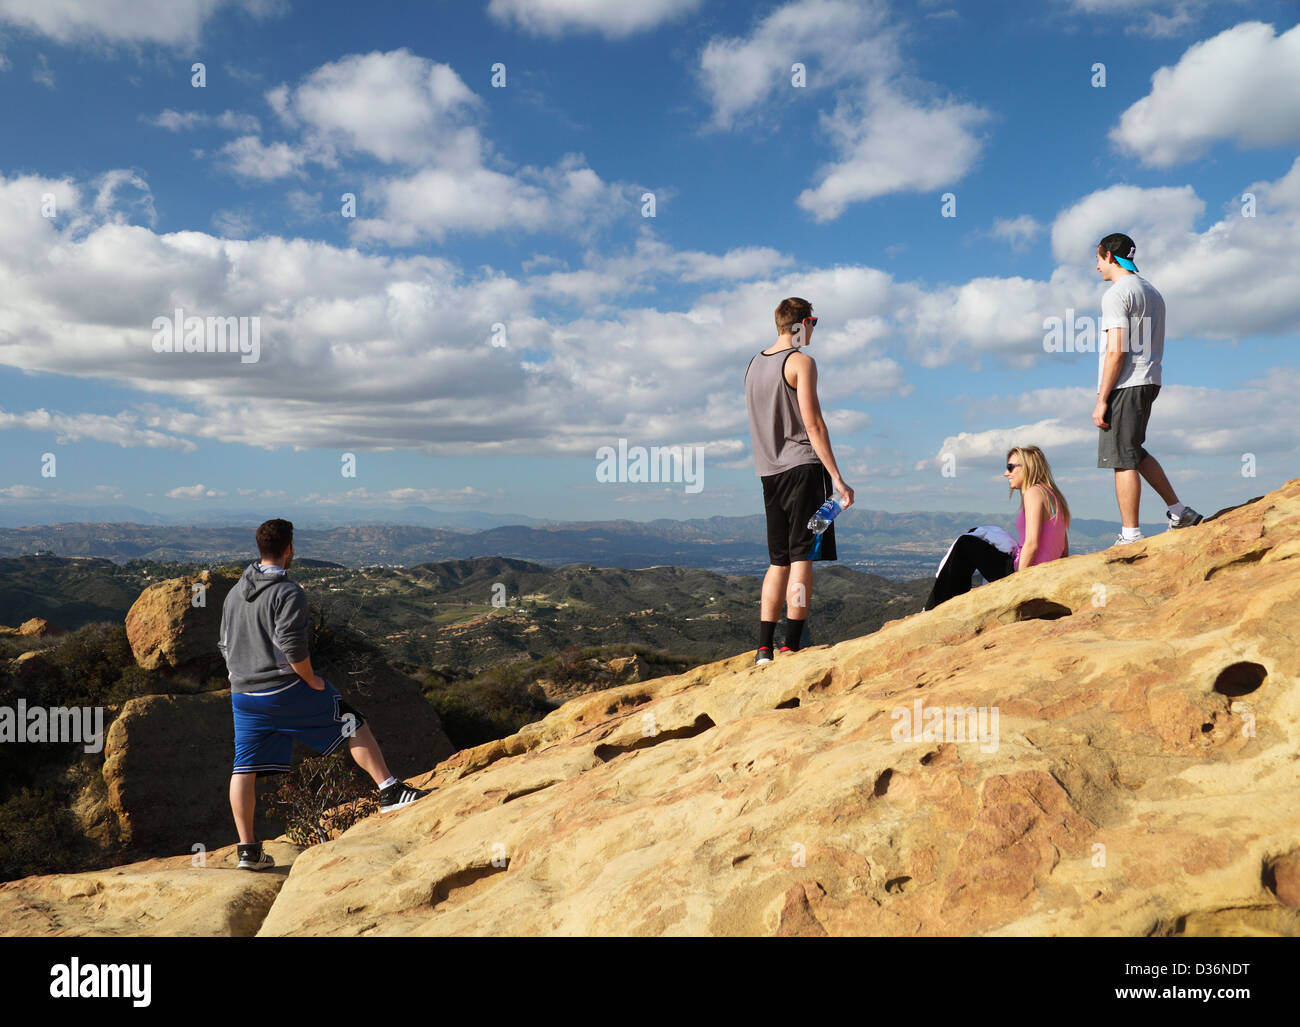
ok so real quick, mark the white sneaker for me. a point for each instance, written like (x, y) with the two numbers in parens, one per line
(1120, 540)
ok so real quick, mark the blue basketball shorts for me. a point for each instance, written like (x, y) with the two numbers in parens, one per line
(266, 724)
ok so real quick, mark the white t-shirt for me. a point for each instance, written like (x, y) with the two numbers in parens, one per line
(1133, 304)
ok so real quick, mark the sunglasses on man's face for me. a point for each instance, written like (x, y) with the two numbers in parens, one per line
(811, 322)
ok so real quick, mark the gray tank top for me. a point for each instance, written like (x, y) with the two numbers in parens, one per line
(776, 429)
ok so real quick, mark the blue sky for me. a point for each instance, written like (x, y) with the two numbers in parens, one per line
(126, 192)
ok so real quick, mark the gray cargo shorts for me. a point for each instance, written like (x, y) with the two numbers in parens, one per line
(1120, 446)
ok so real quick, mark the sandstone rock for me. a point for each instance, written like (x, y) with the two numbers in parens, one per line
(167, 758)
(166, 629)
(167, 761)
(169, 897)
(1142, 772)
(37, 627)
(627, 669)
(1143, 769)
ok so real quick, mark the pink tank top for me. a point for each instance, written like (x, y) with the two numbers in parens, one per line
(1051, 537)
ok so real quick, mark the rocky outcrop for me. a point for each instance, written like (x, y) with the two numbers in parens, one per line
(167, 761)
(1140, 778)
(175, 623)
(167, 758)
(1105, 745)
(198, 895)
(38, 627)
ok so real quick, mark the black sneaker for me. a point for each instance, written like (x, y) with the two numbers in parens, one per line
(398, 796)
(785, 649)
(764, 655)
(251, 857)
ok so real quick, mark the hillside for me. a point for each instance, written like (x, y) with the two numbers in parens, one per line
(696, 614)
(445, 614)
(1131, 766)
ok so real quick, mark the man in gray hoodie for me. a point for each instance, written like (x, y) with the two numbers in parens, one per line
(276, 695)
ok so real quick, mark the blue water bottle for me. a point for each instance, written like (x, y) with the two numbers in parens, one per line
(826, 513)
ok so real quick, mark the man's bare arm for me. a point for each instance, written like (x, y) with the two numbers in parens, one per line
(804, 371)
(1109, 375)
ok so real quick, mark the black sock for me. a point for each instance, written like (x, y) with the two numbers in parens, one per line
(793, 632)
(766, 632)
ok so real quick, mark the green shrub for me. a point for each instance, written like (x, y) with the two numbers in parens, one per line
(38, 835)
(134, 681)
(90, 661)
(568, 662)
(491, 705)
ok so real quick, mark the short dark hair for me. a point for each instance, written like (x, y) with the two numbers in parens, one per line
(1117, 243)
(274, 538)
(791, 312)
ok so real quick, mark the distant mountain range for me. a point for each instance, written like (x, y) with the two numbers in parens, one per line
(900, 546)
(26, 514)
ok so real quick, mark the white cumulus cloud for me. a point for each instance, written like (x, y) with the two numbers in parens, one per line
(122, 21)
(1242, 85)
(419, 116)
(885, 136)
(1019, 232)
(193, 492)
(615, 20)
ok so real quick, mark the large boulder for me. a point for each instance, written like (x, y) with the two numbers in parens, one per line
(175, 623)
(167, 758)
(38, 627)
(167, 762)
(1139, 776)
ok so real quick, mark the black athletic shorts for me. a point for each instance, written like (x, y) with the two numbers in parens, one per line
(790, 498)
(1128, 411)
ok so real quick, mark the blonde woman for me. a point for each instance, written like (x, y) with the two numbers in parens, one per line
(1043, 530)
